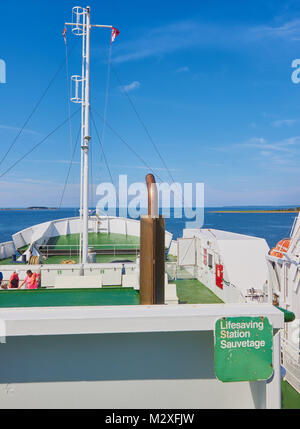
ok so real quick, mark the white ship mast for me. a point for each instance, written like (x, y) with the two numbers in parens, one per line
(81, 26)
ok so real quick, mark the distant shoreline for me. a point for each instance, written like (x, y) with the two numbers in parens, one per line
(255, 211)
(28, 208)
(290, 210)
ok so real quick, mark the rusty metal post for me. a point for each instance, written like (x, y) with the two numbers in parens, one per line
(152, 250)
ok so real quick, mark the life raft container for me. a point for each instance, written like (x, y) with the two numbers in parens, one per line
(281, 247)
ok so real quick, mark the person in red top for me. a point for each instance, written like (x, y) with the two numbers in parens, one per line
(14, 281)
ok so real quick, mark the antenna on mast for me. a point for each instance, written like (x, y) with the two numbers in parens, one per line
(81, 26)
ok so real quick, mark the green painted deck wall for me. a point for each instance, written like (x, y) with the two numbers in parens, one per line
(68, 297)
(98, 240)
(99, 259)
(57, 259)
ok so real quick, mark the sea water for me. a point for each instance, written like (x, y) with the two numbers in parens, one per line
(271, 226)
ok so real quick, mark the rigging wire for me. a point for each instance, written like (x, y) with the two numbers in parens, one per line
(69, 170)
(137, 115)
(128, 146)
(38, 144)
(106, 98)
(36, 106)
(102, 149)
(69, 112)
(91, 178)
(68, 97)
(143, 125)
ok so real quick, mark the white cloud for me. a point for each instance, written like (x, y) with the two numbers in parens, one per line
(264, 195)
(142, 167)
(29, 192)
(276, 154)
(131, 86)
(289, 30)
(186, 34)
(182, 70)
(270, 154)
(160, 40)
(287, 122)
(17, 129)
(55, 161)
(285, 145)
(265, 153)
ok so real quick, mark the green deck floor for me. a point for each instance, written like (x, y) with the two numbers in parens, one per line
(6, 261)
(290, 399)
(194, 292)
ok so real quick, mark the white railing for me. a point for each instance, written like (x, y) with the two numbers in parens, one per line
(290, 358)
(73, 249)
(41, 233)
(293, 226)
(291, 349)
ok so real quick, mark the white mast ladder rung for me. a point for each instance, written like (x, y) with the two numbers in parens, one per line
(77, 81)
(78, 20)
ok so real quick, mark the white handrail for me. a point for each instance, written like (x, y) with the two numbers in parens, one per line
(289, 344)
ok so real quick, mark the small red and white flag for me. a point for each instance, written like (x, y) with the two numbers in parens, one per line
(65, 35)
(114, 33)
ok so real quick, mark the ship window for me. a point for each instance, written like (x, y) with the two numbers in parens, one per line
(210, 260)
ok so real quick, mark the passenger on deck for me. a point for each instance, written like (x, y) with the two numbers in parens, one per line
(14, 281)
(38, 278)
(30, 280)
(1, 278)
(3, 286)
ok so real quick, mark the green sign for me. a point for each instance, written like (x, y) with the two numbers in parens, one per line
(243, 349)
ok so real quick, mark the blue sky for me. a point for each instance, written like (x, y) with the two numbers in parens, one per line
(211, 81)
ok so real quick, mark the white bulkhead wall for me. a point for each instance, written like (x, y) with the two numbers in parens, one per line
(42, 232)
(242, 258)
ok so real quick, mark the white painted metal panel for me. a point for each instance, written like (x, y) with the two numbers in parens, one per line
(129, 280)
(132, 318)
(76, 282)
(173, 248)
(245, 262)
(199, 252)
(50, 336)
(171, 293)
(168, 239)
(119, 371)
(42, 232)
(133, 227)
(117, 226)
(186, 251)
(112, 277)
(7, 249)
